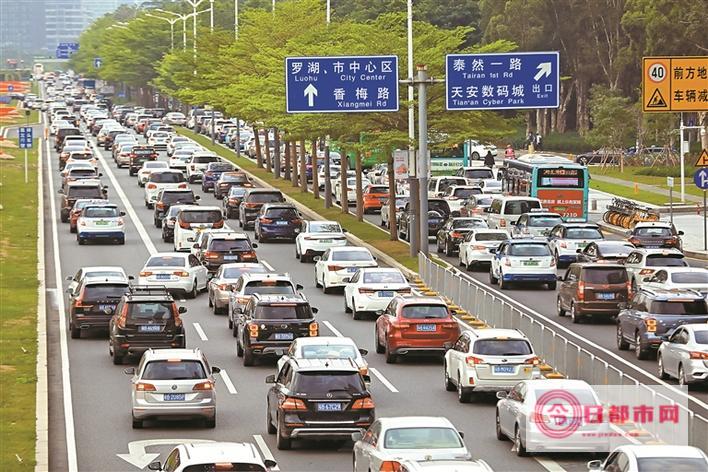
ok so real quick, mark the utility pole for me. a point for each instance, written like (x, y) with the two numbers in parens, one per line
(236, 19)
(327, 176)
(413, 224)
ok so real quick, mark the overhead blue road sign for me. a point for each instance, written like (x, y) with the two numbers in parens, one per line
(700, 178)
(25, 137)
(97, 62)
(341, 84)
(502, 81)
(62, 54)
(65, 50)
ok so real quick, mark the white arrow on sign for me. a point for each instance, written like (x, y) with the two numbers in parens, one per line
(544, 69)
(139, 458)
(310, 93)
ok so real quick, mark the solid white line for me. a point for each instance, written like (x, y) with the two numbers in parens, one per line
(549, 464)
(64, 347)
(227, 381)
(268, 266)
(264, 449)
(332, 328)
(200, 331)
(126, 202)
(383, 379)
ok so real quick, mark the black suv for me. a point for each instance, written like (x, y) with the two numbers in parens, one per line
(318, 399)
(93, 303)
(168, 197)
(146, 318)
(222, 248)
(252, 203)
(269, 323)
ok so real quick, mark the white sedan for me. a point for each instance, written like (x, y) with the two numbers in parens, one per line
(147, 168)
(371, 289)
(474, 249)
(684, 355)
(168, 179)
(690, 278)
(640, 457)
(316, 237)
(177, 272)
(407, 438)
(340, 263)
(326, 347)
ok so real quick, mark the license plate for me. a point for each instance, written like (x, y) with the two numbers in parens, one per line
(425, 327)
(386, 293)
(530, 263)
(230, 258)
(174, 397)
(149, 328)
(163, 276)
(102, 223)
(325, 241)
(352, 269)
(605, 296)
(503, 369)
(106, 307)
(652, 247)
(329, 407)
(281, 223)
(283, 336)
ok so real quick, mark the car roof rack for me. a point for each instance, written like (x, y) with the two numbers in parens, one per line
(148, 290)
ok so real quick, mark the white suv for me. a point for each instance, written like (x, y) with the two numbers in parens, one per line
(195, 218)
(160, 179)
(214, 456)
(198, 164)
(505, 211)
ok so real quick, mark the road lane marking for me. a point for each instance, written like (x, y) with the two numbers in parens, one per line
(549, 464)
(227, 381)
(268, 266)
(332, 328)
(64, 346)
(126, 202)
(383, 379)
(265, 451)
(200, 331)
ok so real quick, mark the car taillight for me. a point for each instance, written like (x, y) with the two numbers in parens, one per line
(472, 361)
(184, 225)
(265, 221)
(634, 240)
(629, 290)
(193, 167)
(145, 273)
(456, 235)
(120, 222)
(400, 325)
(563, 244)
(404, 290)
(646, 271)
(202, 386)
(581, 291)
(233, 200)
(181, 273)
(211, 255)
(502, 223)
(651, 324)
(253, 330)
(218, 224)
(290, 403)
(390, 466)
(553, 261)
(532, 360)
(364, 370)
(698, 355)
(314, 328)
(160, 205)
(334, 268)
(248, 255)
(507, 262)
(182, 186)
(366, 290)
(296, 221)
(224, 286)
(479, 247)
(144, 387)
(363, 404)
(250, 205)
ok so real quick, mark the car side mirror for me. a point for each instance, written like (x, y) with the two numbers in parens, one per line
(502, 394)
(270, 379)
(447, 346)
(190, 240)
(129, 371)
(197, 197)
(462, 434)
(215, 370)
(122, 213)
(131, 277)
(379, 312)
(363, 351)
(68, 277)
(492, 250)
(68, 290)
(366, 378)
(344, 230)
(646, 279)
(182, 310)
(487, 210)
(155, 465)
(61, 191)
(100, 174)
(680, 233)
(594, 465)
(298, 287)
(254, 245)
(578, 251)
(270, 463)
(317, 258)
(346, 280)
(357, 436)
(195, 246)
(560, 277)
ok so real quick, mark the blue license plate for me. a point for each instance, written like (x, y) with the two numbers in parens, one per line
(605, 296)
(230, 258)
(149, 328)
(283, 336)
(386, 293)
(163, 276)
(352, 269)
(281, 223)
(425, 327)
(174, 397)
(108, 308)
(329, 406)
(504, 369)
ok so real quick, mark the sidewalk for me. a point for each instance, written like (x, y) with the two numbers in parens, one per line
(645, 187)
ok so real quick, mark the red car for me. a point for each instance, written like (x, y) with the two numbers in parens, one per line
(415, 325)
(374, 197)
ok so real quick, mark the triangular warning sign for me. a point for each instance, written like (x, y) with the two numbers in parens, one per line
(702, 160)
(656, 100)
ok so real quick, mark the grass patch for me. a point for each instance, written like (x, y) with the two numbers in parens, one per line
(628, 192)
(653, 176)
(372, 235)
(21, 119)
(18, 311)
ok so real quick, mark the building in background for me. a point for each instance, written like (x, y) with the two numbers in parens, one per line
(21, 28)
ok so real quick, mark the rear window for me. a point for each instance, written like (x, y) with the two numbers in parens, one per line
(223, 245)
(378, 189)
(479, 174)
(236, 272)
(466, 192)
(352, 256)
(652, 231)
(281, 213)
(201, 216)
(384, 278)
(674, 464)
(544, 221)
(692, 307)
(167, 177)
(690, 278)
(265, 197)
(83, 173)
(238, 178)
(601, 275)
(204, 159)
(491, 237)
(174, 370)
(165, 261)
(422, 438)
(474, 223)
(329, 351)
(85, 192)
(101, 212)
(529, 250)
(237, 192)
(150, 311)
(502, 347)
(322, 383)
(143, 151)
(420, 312)
(269, 287)
(174, 197)
(660, 260)
(583, 233)
(283, 311)
(518, 207)
(325, 228)
(104, 291)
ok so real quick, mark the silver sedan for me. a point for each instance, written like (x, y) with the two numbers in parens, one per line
(222, 283)
(684, 355)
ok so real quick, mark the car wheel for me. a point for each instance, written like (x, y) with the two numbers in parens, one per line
(492, 280)
(463, 394)
(80, 241)
(325, 288)
(75, 332)
(72, 229)
(640, 352)
(622, 344)
(475, 155)
(574, 317)
(503, 285)
(681, 376)
(210, 422)
(297, 253)
(117, 359)
(391, 358)
(270, 427)
(239, 347)
(137, 424)
(438, 248)
(317, 282)
(121, 241)
(634, 285)
(559, 307)
(283, 443)
(248, 357)
(448, 249)
(449, 386)
(518, 443)
(500, 435)
(380, 349)
(552, 285)
(346, 306)
(660, 366)
(211, 305)
(356, 315)
(191, 179)
(158, 222)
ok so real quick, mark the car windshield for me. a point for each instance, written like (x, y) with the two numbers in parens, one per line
(491, 237)
(502, 347)
(420, 312)
(316, 227)
(146, 311)
(101, 212)
(699, 278)
(104, 291)
(389, 277)
(529, 250)
(469, 223)
(479, 174)
(201, 216)
(236, 272)
(165, 261)
(653, 232)
(544, 221)
(583, 233)
(264, 197)
(422, 438)
(322, 383)
(661, 260)
(674, 464)
(167, 177)
(174, 370)
(329, 351)
(85, 192)
(601, 275)
(281, 213)
(283, 311)
(465, 192)
(174, 197)
(352, 256)
(678, 307)
(269, 287)
(519, 207)
(224, 245)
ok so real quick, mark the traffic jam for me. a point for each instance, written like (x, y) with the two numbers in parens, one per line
(332, 353)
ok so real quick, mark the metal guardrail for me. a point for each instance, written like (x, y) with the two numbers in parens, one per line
(566, 356)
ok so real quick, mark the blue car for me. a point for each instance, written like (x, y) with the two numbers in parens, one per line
(213, 172)
(277, 221)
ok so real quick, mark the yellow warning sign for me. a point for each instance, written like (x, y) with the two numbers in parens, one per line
(702, 160)
(675, 83)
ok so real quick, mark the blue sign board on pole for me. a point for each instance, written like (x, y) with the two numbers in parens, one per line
(700, 178)
(25, 137)
(341, 84)
(502, 81)
(65, 50)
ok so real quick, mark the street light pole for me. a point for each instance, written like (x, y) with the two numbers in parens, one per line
(211, 16)
(235, 19)
(172, 27)
(329, 11)
(413, 230)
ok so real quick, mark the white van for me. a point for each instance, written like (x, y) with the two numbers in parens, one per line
(438, 185)
(504, 211)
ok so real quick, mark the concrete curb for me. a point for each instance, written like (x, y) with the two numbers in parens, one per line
(701, 255)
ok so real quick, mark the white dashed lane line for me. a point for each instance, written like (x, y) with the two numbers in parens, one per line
(227, 381)
(265, 451)
(332, 328)
(200, 332)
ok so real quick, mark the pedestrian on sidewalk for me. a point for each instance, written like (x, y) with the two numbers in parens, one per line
(489, 160)
(538, 144)
(509, 152)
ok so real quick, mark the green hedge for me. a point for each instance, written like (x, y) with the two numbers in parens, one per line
(666, 171)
